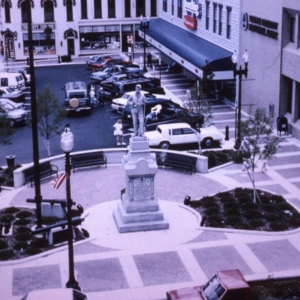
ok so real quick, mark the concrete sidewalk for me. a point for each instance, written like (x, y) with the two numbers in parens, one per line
(144, 265)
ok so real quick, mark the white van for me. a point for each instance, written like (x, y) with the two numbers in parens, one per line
(13, 80)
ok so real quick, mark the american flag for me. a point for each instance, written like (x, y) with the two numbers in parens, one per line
(56, 183)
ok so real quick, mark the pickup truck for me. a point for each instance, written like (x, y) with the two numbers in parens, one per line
(224, 285)
(173, 134)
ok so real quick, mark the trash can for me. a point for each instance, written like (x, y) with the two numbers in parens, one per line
(10, 160)
(282, 125)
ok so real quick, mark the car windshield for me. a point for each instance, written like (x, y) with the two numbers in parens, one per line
(213, 290)
(9, 90)
(7, 106)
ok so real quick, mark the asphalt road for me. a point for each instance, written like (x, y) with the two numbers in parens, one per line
(91, 131)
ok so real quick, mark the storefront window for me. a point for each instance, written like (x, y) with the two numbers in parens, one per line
(99, 37)
(42, 44)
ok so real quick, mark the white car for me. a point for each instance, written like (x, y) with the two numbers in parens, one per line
(11, 104)
(107, 72)
(12, 114)
(119, 104)
(167, 135)
(9, 93)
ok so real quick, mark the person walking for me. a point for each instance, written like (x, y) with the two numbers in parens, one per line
(264, 158)
(92, 97)
(137, 102)
(118, 133)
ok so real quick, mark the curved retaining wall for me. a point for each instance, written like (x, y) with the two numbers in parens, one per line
(114, 156)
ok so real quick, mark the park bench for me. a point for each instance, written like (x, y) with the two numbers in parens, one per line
(46, 169)
(88, 159)
(178, 161)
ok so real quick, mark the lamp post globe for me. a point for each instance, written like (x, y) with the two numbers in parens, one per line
(67, 143)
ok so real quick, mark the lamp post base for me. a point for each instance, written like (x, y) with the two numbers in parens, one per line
(73, 284)
(237, 144)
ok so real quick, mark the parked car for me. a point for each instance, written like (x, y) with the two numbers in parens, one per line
(14, 81)
(11, 104)
(115, 77)
(112, 59)
(224, 285)
(94, 58)
(57, 294)
(14, 95)
(77, 96)
(107, 72)
(13, 115)
(117, 89)
(177, 134)
(170, 112)
(119, 104)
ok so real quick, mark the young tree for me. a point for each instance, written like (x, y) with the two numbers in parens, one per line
(49, 114)
(198, 95)
(5, 131)
(258, 138)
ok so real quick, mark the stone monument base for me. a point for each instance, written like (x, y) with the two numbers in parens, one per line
(139, 221)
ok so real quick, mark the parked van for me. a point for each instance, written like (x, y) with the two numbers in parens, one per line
(13, 80)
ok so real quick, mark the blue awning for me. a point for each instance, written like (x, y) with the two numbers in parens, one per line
(175, 41)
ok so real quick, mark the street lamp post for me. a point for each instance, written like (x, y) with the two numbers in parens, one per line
(239, 72)
(145, 25)
(67, 142)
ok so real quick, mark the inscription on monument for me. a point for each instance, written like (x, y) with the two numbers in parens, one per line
(142, 188)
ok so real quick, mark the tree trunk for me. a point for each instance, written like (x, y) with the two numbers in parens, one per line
(47, 144)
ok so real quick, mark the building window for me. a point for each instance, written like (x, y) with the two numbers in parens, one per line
(7, 12)
(84, 13)
(153, 9)
(48, 11)
(292, 30)
(24, 12)
(69, 8)
(220, 18)
(172, 8)
(43, 44)
(228, 23)
(98, 9)
(140, 8)
(207, 15)
(179, 9)
(165, 6)
(127, 8)
(215, 17)
(111, 8)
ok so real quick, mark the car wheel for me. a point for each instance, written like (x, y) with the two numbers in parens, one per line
(164, 145)
(207, 142)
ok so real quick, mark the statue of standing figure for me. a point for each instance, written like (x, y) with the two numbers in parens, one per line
(137, 102)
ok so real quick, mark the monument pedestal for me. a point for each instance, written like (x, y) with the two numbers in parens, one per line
(138, 209)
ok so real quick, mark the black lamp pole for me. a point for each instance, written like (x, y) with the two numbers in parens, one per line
(67, 142)
(239, 72)
(35, 140)
(144, 26)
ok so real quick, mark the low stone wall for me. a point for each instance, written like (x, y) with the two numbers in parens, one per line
(114, 156)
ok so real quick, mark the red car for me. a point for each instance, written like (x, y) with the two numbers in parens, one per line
(224, 285)
(107, 62)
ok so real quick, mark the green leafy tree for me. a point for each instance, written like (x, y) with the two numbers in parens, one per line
(199, 94)
(49, 114)
(5, 131)
(258, 137)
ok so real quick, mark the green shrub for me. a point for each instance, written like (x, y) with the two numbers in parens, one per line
(278, 226)
(6, 254)
(250, 206)
(10, 210)
(295, 222)
(209, 204)
(285, 206)
(33, 250)
(20, 245)
(22, 222)
(195, 203)
(24, 236)
(3, 244)
(212, 210)
(6, 217)
(23, 214)
(252, 214)
(229, 205)
(40, 243)
(232, 211)
(242, 225)
(232, 220)
(23, 229)
(255, 223)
